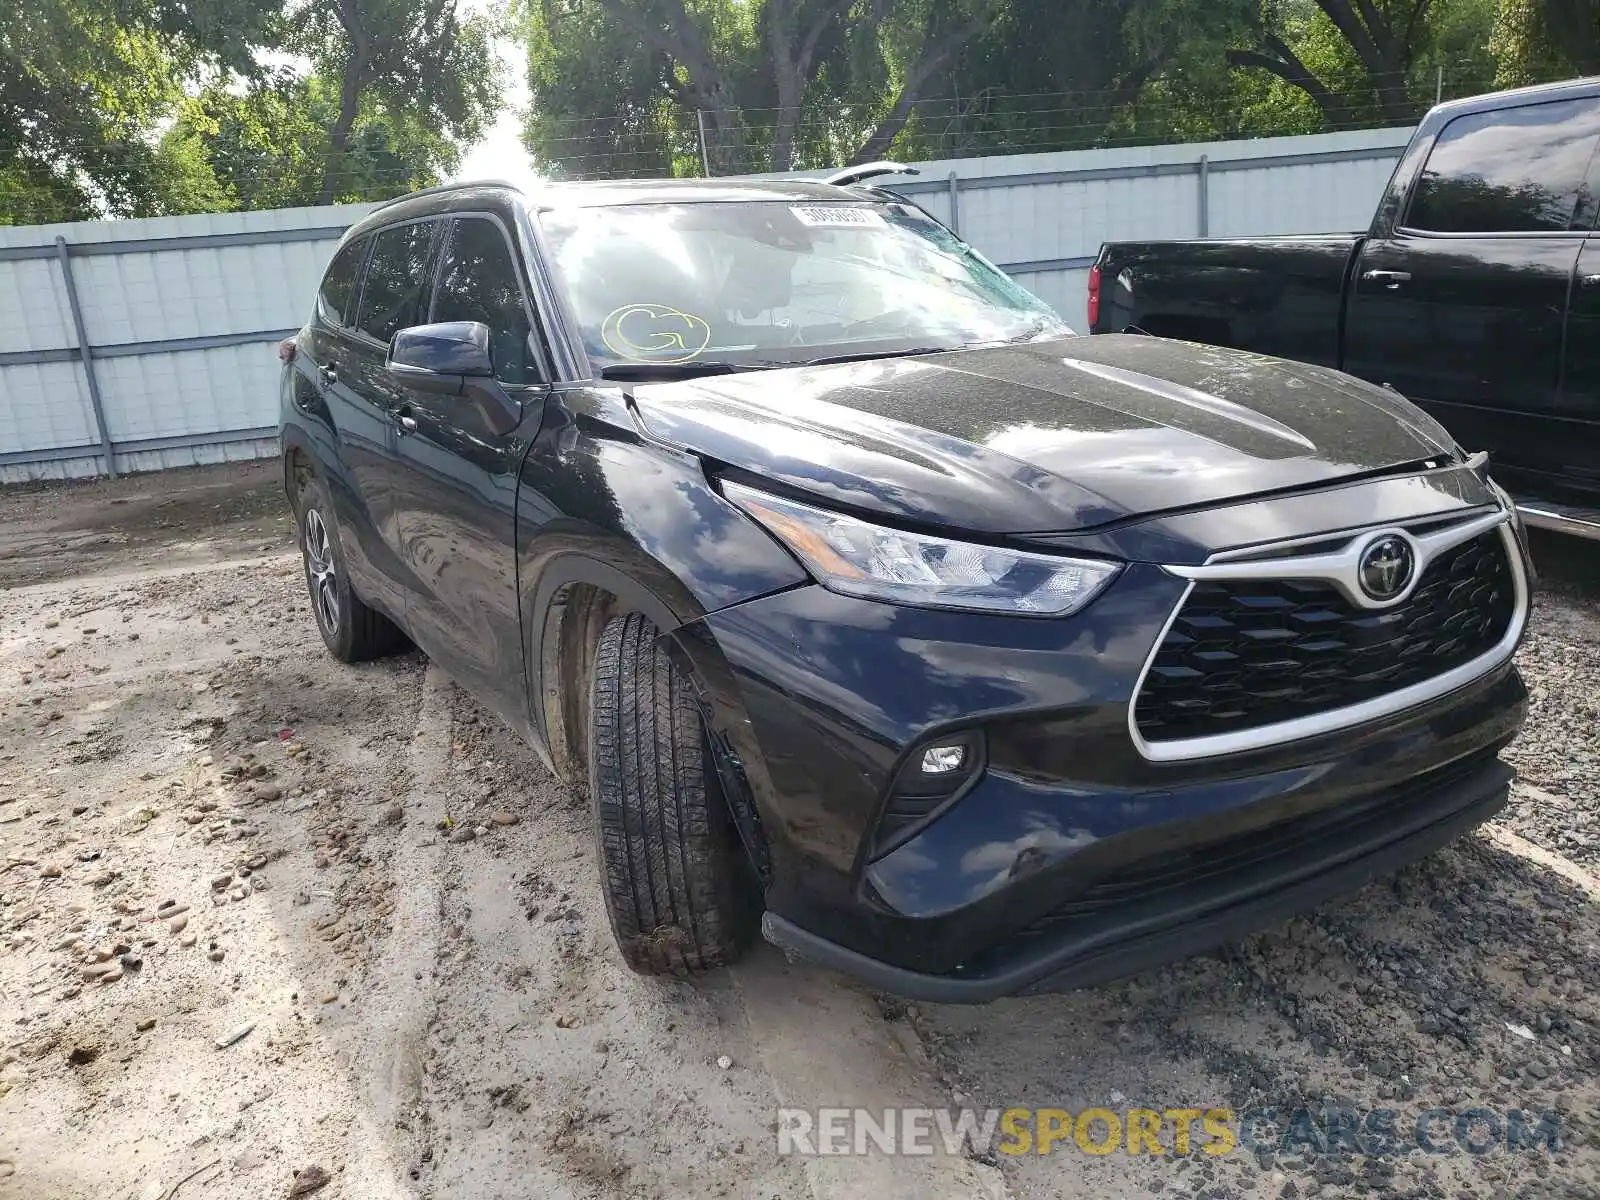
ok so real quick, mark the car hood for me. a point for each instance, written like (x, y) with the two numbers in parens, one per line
(1044, 437)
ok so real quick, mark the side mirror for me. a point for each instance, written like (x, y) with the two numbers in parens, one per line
(449, 348)
(452, 358)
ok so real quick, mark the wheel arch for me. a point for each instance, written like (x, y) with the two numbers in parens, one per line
(578, 590)
(298, 461)
(307, 449)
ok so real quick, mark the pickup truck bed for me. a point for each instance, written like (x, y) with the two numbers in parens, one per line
(1475, 292)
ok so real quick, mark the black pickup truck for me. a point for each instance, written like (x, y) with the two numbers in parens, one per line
(1474, 293)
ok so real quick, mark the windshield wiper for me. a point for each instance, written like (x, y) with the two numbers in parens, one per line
(644, 372)
(1038, 332)
(1042, 331)
(868, 355)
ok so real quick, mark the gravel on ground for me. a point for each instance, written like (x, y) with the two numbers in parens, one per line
(246, 953)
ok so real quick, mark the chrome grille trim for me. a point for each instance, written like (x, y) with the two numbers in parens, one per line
(1337, 569)
(1342, 568)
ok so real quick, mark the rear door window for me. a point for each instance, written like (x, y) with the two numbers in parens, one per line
(339, 284)
(396, 279)
(478, 282)
(1514, 170)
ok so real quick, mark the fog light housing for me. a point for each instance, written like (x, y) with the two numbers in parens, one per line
(943, 760)
(932, 777)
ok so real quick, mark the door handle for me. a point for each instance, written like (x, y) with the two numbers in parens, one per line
(330, 376)
(1390, 279)
(407, 423)
(1591, 281)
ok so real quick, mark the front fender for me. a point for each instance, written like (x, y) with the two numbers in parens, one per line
(593, 486)
(602, 508)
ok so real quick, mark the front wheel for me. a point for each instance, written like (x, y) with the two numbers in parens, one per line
(677, 882)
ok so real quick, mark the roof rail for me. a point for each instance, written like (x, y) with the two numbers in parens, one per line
(871, 170)
(460, 185)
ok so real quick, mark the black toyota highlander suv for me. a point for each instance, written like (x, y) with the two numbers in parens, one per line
(870, 605)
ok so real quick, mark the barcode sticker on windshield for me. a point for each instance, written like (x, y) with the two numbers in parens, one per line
(837, 216)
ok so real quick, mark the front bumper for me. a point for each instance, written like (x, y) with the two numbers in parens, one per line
(1328, 858)
(1072, 857)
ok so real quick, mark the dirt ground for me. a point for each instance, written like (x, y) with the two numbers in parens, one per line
(209, 831)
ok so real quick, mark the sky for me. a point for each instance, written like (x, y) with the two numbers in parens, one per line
(500, 154)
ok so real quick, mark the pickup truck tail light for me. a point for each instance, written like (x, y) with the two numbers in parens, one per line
(1094, 296)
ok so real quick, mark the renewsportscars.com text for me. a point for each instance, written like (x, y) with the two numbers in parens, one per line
(1172, 1131)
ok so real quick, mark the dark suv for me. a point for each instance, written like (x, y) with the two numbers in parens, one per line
(868, 602)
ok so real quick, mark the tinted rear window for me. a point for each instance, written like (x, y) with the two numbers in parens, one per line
(1516, 170)
(338, 285)
(396, 279)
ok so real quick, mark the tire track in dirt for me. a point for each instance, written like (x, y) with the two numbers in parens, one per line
(825, 1044)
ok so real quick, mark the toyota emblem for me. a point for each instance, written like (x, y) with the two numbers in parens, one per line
(1387, 565)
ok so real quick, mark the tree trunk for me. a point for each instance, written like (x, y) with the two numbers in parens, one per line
(881, 138)
(1573, 28)
(681, 40)
(350, 86)
(1282, 61)
(727, 151)
(339, 131)
(1385, 54)
(786, 74)
(937, 54)
(793, 66)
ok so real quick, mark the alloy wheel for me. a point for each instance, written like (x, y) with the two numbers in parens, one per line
(319, 566)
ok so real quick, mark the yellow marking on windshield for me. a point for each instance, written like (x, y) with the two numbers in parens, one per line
(654, 333)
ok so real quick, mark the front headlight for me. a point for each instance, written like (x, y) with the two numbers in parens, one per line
(860, 559)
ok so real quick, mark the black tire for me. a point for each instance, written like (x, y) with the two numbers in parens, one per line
(352, 631)
(677, 882)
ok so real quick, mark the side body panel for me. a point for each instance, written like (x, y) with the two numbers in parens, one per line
(457, 512)
(1472, 326)
(350, 440)
(1277, 296)
(361, 406)
(1460, 299)
(1572, 472)
(1473, 334)
(459, 453)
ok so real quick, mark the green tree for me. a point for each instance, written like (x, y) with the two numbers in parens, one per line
(1071, 74)
(1065, 74)
(1369, 62)
(138, 107)
(917, 47)
(619, 85)
(418, 62)
(82, 85)
(603, 104)
(269, 145)
(775, 82)
(1536, 41)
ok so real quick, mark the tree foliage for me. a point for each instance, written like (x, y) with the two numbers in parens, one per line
(621, 86)
(142, 107)
(136, 107)
(83, 83)
(271, 145)
(419, 63)
(773, 82)
(1535, 40)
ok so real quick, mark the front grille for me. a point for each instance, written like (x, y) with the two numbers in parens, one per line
(1244, 653)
